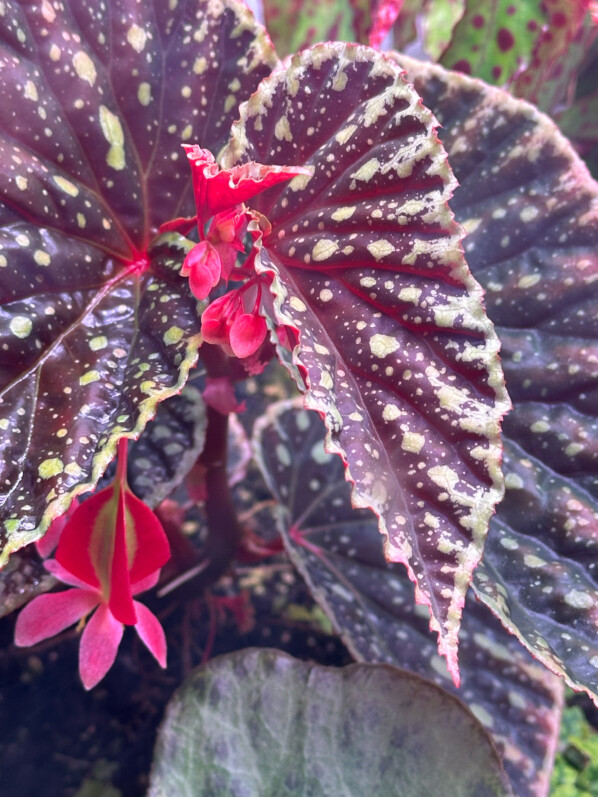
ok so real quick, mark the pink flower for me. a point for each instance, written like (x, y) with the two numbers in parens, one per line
(111, 548)
(203, 267)
(216, 189)
(234, 322)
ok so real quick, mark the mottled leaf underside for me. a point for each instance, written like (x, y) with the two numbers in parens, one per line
(96, 326)
(395, 347)
(531, 210)
(370, 602)
(270, 724)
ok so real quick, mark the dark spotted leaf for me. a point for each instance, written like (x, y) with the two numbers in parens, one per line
(266, 723)
(494, 38)
(96, 325)
(395, 347)
(532, 213)
(371, 605)
(22, 579)
(557, 54)
(167, 450)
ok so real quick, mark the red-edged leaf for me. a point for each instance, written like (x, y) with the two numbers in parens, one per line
(95, 324)
(395, 347)
(532, 212)
(370, 602)
(494, 38)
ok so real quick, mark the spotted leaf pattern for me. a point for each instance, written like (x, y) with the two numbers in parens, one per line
(395, 347)
(299, 24)
(96, 326)
(494, 38)
(557, 53)
(370, 602)
(531, 209)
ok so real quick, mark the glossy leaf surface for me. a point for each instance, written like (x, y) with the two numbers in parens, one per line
(371, 605)
(395, 347)
(270, 724)
(532, 213)
(96, 325)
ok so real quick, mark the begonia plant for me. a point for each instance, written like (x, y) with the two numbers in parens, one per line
(416, 244)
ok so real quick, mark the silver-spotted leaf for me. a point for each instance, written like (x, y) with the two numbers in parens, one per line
(531, 209)
(260, 722)
(96, 326)
(167, 450)
(370, 602)
(395, 348)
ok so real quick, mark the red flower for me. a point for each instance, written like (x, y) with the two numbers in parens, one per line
(218, 189)
(111, 548)
(233, 321)
(203, 267)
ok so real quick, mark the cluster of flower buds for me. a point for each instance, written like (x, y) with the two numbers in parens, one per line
(235, 320)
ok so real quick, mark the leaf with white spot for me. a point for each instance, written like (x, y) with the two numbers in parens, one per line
(395, 347)
(96, 325)
(269, 724)
(370, 603)
(531, 209)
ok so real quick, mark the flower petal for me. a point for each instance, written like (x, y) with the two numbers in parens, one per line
(99, 646)
(151, 633)
(217, 189)
(119, 597)
(50, 540)
(62, 574)
(247, 334)
(151, 548)
(145, 583)
(48, 615)
(74, 547)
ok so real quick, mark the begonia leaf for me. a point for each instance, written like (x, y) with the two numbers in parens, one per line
(531, 209)
(558, 49)
(168, 448)
(395, 348)
(96, 326)
(370, 602)
(438, 22)
(494, 38)
(23, 578)
(269, 724)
